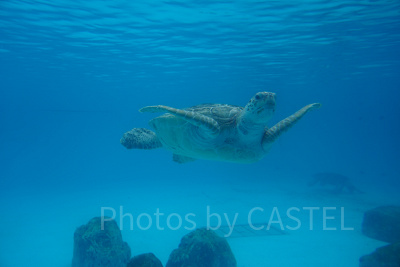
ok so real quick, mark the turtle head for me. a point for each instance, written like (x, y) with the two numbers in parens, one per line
(261, 107)
(256, 114)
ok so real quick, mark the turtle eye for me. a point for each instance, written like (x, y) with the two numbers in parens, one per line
(258, 97)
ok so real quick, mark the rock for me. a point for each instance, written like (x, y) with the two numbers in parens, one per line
(382, 223)
(202, 247)
(96, 247)
(145, 260)
(387, 256)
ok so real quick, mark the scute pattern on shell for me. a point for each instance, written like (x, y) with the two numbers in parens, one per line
(224, 114)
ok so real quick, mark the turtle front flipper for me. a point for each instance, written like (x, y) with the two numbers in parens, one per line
(206, 123)
(140, 138)
(274, 132)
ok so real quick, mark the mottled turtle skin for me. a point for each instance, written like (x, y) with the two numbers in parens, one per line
(214, 131)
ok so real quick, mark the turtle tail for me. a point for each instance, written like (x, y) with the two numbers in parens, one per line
(274, 132)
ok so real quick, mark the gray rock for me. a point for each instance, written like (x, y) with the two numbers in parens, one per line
(382, 223)
(202, 247)
(145, 260)
(387, 256)
(96, 247)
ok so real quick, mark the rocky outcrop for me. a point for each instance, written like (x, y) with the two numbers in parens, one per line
(387, 256)
(145, 260)
(97, 247)
(382, 223)
(202, 247)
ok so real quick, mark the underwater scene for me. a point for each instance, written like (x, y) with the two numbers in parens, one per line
(200, 133)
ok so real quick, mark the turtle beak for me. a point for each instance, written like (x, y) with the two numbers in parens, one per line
(270, 96)
(266, 97)
(269, 99)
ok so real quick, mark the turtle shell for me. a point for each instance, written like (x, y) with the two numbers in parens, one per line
(184, 139)
(225, 115)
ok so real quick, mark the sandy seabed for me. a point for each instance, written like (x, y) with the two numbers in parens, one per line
(37, 230)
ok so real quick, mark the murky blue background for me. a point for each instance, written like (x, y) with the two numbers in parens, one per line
(74, 74)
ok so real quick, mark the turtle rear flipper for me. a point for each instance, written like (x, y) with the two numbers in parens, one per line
(209, 125)
(182, 159)
(140, 138)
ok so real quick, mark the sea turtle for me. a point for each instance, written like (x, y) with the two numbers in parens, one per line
(339, 182)
(214, 131)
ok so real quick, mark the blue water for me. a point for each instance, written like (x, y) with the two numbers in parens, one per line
(75, 73)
